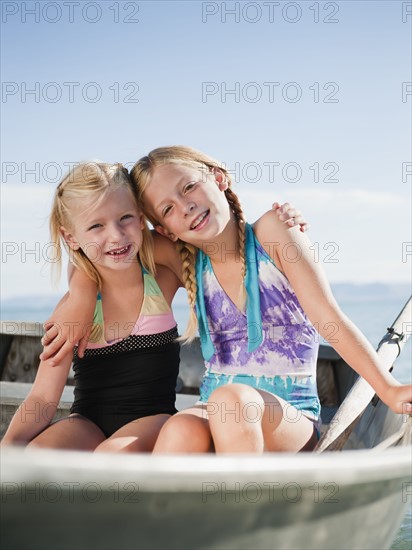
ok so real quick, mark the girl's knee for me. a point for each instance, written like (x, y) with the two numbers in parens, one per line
(238, 392)
(184, 432)
(181, 426)
(237, 400)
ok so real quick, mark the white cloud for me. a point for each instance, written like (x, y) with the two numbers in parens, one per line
(370, 229)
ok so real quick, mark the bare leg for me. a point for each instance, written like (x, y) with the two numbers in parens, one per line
(245, 420)
(186, 432)
(73, 432)
(138, 436)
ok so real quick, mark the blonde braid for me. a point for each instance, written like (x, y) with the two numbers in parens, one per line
(236, 207)
(188, 256)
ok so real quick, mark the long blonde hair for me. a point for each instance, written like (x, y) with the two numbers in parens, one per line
(142, 173)
(78, 185)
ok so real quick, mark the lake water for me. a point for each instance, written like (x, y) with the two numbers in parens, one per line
(372, 308)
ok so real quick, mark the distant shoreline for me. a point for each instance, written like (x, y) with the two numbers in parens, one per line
(343, 291)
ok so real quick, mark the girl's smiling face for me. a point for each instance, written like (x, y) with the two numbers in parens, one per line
(188, 203)
(108, 230)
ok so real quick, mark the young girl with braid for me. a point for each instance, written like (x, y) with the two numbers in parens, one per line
(252, 291)
(125, 383)
(256, 294)
(125, 379)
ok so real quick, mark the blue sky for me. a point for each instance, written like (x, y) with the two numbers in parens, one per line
(298, 106)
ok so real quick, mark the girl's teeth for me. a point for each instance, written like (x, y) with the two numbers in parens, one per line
(199, 220)
(116, 252)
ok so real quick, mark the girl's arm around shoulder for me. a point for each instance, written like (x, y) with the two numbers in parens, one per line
(38, 409)
(290, 250)
(72, 319)
(165, 254)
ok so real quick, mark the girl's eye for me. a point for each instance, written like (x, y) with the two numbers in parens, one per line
(126, 217)
(95, 226)
(166, 210)
(190, 186)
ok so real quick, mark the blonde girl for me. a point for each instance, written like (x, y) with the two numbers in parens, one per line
(125, 383)
(255, 294)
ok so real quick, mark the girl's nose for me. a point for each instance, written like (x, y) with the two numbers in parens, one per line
(116, 231)
(188, 208)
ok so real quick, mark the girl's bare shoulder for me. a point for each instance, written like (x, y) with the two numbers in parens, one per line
(273, 234)
(268, 228)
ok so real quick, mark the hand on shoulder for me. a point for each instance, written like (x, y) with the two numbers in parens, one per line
(290, 250)
(290, 216)
(273, 234)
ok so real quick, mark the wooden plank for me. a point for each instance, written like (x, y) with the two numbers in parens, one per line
(22, 359)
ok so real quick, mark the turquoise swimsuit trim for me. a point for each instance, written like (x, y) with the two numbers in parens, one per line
(253, 312)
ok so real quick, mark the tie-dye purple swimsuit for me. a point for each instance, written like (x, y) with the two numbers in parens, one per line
(272, 346)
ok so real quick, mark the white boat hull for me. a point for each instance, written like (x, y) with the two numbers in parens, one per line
(348, 500)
